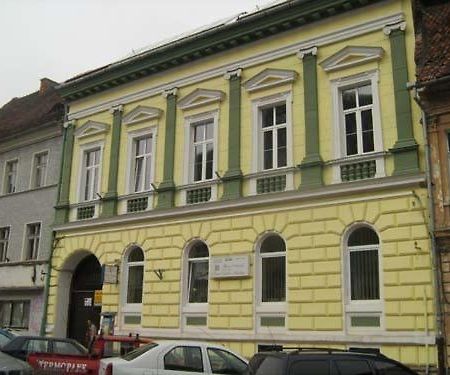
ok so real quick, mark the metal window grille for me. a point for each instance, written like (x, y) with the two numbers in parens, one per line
(137, 204)
(135, 264)
(85, 212)
(198, 195)
(198, 273)
(271, 184)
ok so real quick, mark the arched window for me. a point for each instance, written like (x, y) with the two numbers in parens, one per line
(271, 286)
(135, 275)
(273, 269)
(363, 306)
(198, 265)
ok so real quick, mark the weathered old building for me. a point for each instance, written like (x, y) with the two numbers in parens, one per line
(30, 157)
(260, 182)
(432, 25)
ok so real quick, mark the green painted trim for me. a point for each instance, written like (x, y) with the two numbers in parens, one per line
(62, 206)
(405, 149)
(311, 166)
(257, 26)
(232, 184)
(109, 201)
(166, 189)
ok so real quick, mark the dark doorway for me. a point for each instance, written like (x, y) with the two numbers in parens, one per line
(86, 279)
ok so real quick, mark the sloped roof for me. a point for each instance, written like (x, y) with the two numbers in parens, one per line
(432, 24)
(31, 112)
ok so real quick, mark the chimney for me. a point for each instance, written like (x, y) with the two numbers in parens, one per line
(45, 85)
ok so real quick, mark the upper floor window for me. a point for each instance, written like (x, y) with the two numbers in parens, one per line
(202, 150)
(90, 174)
(198, 269)
(4, 239)
(135, 275)
(39, 172)
(33, 235)
(357, 112)
(142, 163)
(10, 182)
(273, 136)
(363, 279)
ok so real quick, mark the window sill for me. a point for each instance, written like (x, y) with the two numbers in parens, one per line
(135, 202)
(199, 192)
(358, 167)
(271, 181)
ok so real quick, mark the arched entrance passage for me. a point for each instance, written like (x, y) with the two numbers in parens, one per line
(86, 280)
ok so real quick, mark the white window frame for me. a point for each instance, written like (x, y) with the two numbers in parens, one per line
(35, 168)
(5, 175)
(361, 308)
(269, 309)
(35, 251)
(132, 138)
(193, 309)
(81, 179)
(128, 309)
(4, 242)
(340, 153)
(257, 149)
(188, 177)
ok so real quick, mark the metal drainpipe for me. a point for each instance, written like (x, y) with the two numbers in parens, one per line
(52, 248)
(434, 252)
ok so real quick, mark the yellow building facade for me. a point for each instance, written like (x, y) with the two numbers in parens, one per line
(259, 183)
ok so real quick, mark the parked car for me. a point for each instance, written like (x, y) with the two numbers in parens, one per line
(307, 361)
(176, 357)
(5, 337)
(11, 365)
(21, 346)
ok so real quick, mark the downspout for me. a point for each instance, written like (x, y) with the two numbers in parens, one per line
(431, 229)
(42, 331)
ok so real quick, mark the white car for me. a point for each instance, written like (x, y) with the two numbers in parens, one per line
(176, 358)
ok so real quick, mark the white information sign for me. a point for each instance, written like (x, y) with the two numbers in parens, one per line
(110, 273)
(229, 266)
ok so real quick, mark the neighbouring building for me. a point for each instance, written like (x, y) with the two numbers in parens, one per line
(432, 25)
(30, 157)
(257, 183)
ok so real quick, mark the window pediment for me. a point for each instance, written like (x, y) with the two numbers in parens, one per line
(200, 97)
(351, 56)
(91, 128)
(141, 113)
(270, 78)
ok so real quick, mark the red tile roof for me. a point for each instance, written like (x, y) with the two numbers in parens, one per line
(432, 24)
(32, 111)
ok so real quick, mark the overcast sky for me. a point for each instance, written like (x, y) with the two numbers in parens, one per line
(61, 38)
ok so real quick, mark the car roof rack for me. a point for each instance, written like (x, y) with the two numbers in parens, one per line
(370, 351)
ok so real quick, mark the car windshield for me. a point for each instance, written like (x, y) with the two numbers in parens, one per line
(139, 351)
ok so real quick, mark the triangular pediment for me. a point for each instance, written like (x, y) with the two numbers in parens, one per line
(200, 97)
(351, 56)
(141, 113)
(270, 78)
(91, 128)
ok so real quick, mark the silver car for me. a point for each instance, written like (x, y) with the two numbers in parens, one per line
(11, 365)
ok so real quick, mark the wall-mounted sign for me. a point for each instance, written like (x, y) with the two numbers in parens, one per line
(98, 294)
(229, 266)
(110, 273)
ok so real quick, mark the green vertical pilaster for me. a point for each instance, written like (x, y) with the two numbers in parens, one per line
(405, 149)
(166, 189)
(109, 201)
(232, 180)
(62, 205)
(311, 166)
